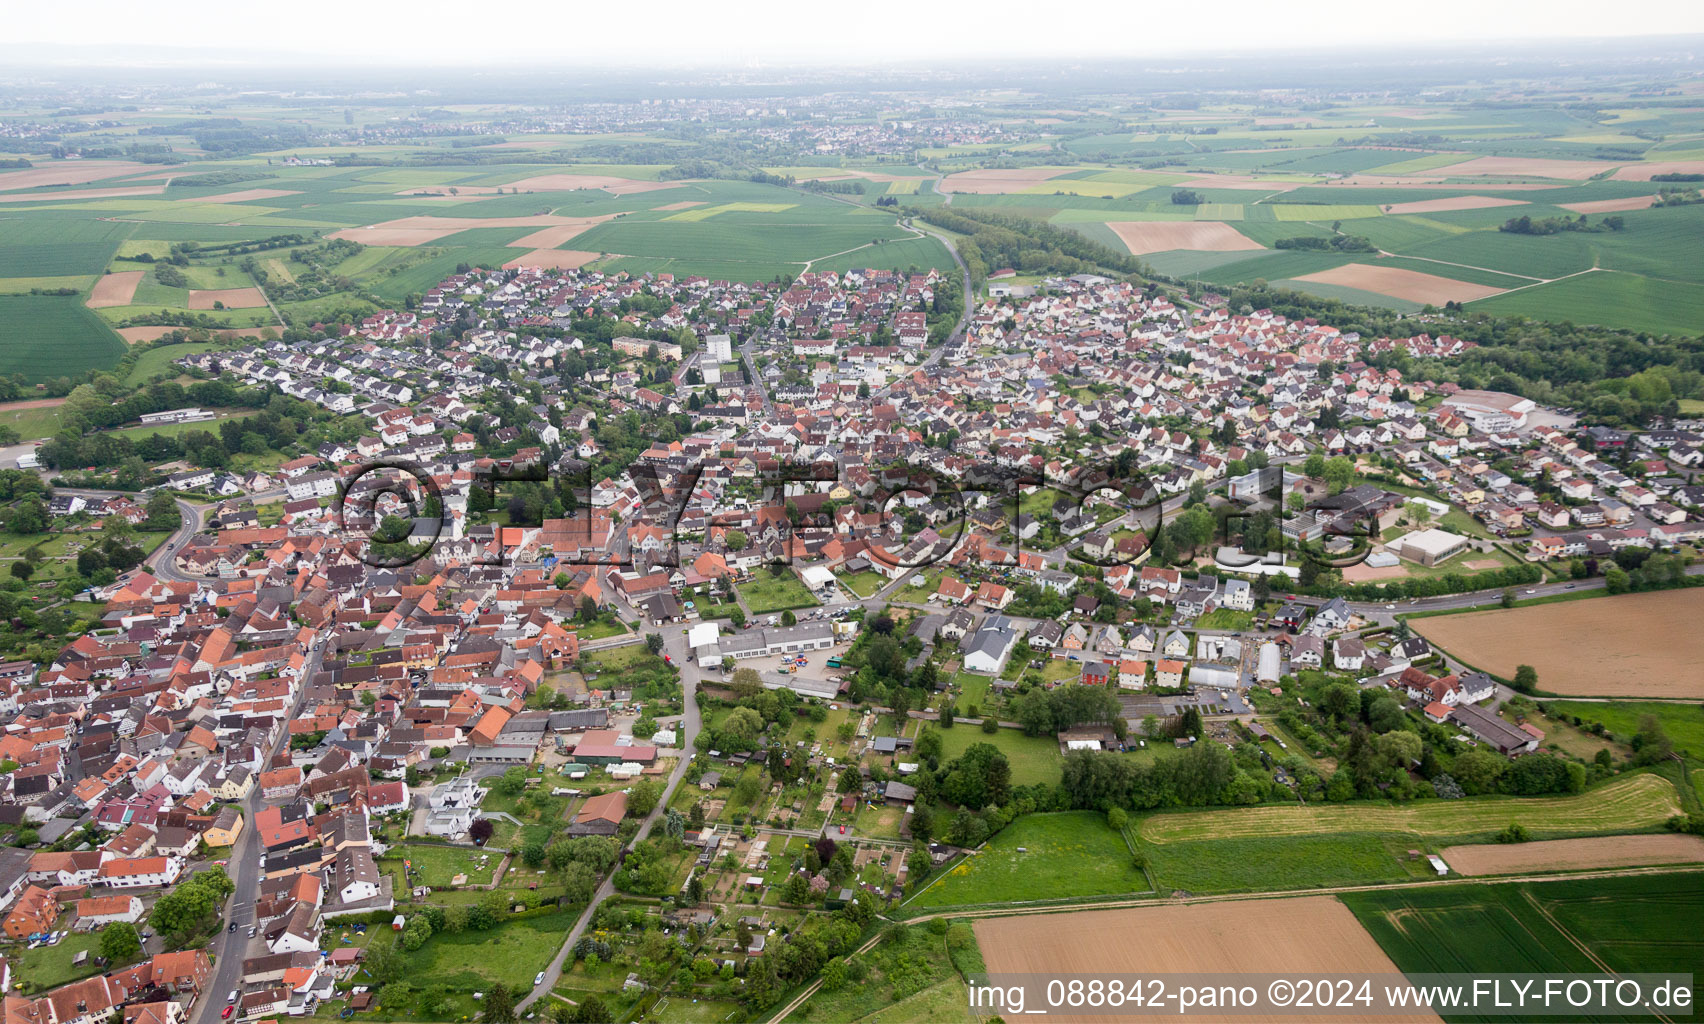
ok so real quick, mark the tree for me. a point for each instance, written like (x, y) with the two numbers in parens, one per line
(395, 995)
(644, 796)
(798, 889)
(119, 942)
(481, 830)
(654, 642)
(499, 1005)
(1651, 744)
(1526, 678)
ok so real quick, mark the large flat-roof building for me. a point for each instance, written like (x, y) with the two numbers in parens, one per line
(1430, 547)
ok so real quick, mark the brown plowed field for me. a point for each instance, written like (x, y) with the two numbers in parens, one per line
(1000, 181)
(74, 172)
(1402, 284)
(1611, 205)
(87, 193)
(1634, 645)
(1451, 203)
(1145, 236)
(1571, 854)
(245, 195)
(1306, 935)
(1529, 167)
(560, 259)
(114, 289)
(233, 298)
(1644, 171)
(424, 230)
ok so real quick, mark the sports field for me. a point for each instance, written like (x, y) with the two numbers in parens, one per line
(1632, 645)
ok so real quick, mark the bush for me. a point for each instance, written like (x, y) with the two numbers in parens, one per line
(1515, 833)
(990, 726)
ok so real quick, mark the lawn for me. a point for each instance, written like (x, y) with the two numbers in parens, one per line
(1035, 759)
(510, 953)
(918, 593)
(1065, 855)
(436, 865)
(30, 423)
(50, 966)
(767, 594)
(864, 584)
(1225, 618)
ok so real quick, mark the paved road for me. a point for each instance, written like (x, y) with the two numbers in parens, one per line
(674, 644)
(229, 948)
(163, 562)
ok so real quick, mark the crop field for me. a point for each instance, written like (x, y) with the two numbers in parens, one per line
(1070, 854)
(1311, 935)
(49, 245)
(706, 212)
(1574, 854)
(1608, 299)
(1630, 924)
(1632, 645)
(1624, 804)
(54, 336)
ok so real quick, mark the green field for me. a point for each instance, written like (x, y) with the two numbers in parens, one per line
(54, 336)
(1684, 723)
(1283, 862)
(1608, 298)
(1067, 855)
(41, 243)
(1624, 925)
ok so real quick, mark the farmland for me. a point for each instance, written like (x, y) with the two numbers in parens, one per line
(1258, 936)
(1070, 854)
(54, 336)
(1574, 854)
(1633, 645)
(1627, 803)
(1636, 923)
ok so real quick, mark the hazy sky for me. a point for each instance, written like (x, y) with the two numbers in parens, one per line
(658, 32)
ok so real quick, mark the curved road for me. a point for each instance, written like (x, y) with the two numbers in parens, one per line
(674, 644)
